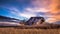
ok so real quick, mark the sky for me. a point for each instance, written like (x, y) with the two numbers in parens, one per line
(24, 9)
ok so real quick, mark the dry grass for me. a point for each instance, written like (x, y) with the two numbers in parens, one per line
(28, 31)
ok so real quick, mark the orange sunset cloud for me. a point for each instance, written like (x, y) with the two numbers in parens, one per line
(52, 5)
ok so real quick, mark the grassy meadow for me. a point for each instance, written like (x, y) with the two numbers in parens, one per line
(11, 30)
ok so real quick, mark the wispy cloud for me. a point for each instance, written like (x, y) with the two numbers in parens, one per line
(31, 12)
(24, 13)
(51, 6)
(46, 8)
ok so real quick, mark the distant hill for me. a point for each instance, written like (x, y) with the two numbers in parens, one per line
(57, 22)
(4, 18)
(7, 21)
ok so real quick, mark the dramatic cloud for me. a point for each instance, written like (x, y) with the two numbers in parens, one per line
(49, 9)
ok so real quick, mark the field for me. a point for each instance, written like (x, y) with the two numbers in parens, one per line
(11, 30)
